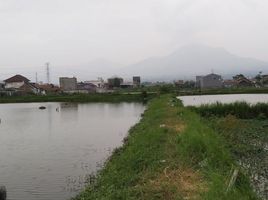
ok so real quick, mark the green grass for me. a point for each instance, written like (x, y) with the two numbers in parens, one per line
(241, 90)
(113, 98)
(239, 109)
(201, 145)
(246, 139)
(170, 154)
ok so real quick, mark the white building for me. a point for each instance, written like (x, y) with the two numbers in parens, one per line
(99, 83)
(16, 82)
(19, 83)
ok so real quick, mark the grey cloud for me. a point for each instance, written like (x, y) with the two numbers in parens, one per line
(75, 32)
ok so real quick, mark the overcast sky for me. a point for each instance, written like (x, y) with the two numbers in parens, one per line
(75, 32)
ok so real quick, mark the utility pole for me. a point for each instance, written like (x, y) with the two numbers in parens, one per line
(36, 78)
(48, 73)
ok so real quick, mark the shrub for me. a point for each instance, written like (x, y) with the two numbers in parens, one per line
(241, 110)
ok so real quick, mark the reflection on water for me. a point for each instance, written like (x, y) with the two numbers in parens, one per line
(68, 112)
(229, 98)
(51, 153)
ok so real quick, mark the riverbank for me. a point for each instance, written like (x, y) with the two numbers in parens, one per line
(81, 98)
(251, 90)
(170, 154)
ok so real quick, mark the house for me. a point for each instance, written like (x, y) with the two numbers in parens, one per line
(29, 88)
(99, 83)
(179, 83)
(244, 82)
(68, 84)
(136, 81)
(49, 88)
(238, 81)
(230, 83)
(2, 85)
(20, 85)
(83, 87)
(15, 82)
(264, 80)
(126, 85)
(209, 81)
(115, 81)
(2, 88)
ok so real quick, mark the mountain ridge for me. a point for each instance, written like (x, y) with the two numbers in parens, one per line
(193, 60)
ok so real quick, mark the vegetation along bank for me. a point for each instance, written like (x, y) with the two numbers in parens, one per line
(82, 98)
(171, 154)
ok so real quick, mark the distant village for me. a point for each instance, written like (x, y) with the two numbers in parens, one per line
(20, 85)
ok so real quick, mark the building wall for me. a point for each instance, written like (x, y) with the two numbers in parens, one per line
(137, 80)
(14, 85)
(99, 84)
(68, 84)
(87, 87)
(211, 81)
(115, 82)
(244, 83)
(27, 88)
(2, 86)
(198, 81)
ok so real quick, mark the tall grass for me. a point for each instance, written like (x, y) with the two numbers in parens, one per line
(242, 90)
(241, 110)
(205, 150)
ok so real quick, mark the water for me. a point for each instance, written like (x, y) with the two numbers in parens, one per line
(47, 155)
(229, 98)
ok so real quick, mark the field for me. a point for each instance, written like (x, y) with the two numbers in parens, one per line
(248, 142)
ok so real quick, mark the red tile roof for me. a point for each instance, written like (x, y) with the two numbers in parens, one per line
(17, 78)
(49, 87)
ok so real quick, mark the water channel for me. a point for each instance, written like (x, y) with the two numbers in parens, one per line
(48, 154)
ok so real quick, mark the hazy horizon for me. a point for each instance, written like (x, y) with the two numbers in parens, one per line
(70, 34)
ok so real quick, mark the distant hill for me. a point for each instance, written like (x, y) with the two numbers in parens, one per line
(193, 60)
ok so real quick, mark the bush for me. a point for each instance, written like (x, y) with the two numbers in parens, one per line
(241, 110)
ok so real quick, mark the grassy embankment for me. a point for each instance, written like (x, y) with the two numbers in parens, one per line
(170, 154)
(113, 98)
(242, 90)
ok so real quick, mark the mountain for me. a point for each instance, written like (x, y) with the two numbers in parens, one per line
(193, 60)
